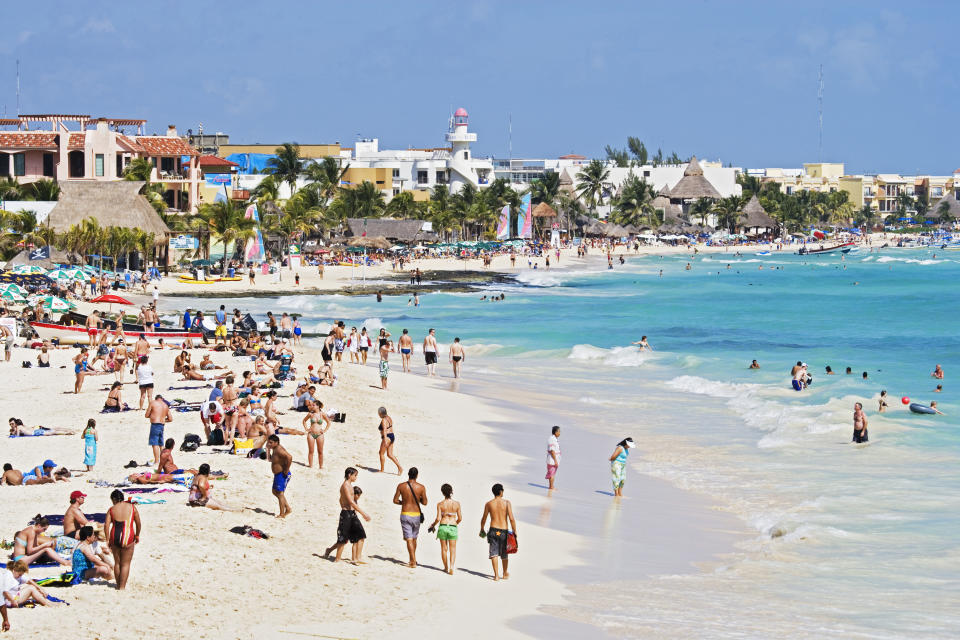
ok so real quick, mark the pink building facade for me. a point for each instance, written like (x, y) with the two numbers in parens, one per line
(35, 147)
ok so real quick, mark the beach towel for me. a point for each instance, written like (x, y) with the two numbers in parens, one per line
(185, 388)
(139, 500)
(57, 518)
(62, 580)
(31, 604)
(115, 411)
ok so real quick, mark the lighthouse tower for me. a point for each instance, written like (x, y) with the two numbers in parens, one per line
(461, 167)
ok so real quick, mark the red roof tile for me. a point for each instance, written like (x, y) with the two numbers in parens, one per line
(164, 146)
(28, 140)
(129, 143)
(215, 161)
(573, 156)
(76, 141)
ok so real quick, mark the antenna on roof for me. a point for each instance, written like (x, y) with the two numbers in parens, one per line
(820, 115)
(510, 135)
(18, 87)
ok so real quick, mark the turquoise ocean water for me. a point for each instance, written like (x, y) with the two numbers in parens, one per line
(845, 540)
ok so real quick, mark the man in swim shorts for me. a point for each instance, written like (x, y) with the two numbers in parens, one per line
(430, 352)
(410, 495)
(158, 413)
(457, 356)
(349, 528)
(280, 461)
(500, 512)
(406, 348)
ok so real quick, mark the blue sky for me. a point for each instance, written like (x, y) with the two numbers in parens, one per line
(735, 81)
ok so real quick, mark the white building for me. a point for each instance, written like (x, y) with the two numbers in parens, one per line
(426, 168)
(520, 172)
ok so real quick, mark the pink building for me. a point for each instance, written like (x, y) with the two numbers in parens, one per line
(43, 146)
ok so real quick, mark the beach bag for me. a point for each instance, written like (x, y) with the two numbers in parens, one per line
(242, 447)
(511, 542)
(191, 442)
(216, 437)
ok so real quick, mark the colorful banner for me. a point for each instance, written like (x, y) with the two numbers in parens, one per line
(253, 252)
(503, 228)
(525, 219)
(184, 242)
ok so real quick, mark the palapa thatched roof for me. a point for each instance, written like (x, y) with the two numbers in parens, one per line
(371, 242)
(952, 203)
(615, 231)
(407, 231)
(693, 185)
(670, 211)
(111, 204)
(753, 216)
(630, 229)
(543, 210)
(56, 257)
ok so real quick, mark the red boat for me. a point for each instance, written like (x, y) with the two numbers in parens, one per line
(77, 334)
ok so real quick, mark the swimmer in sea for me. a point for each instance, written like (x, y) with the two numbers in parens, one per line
(933, 405)
(939, 389)
(754, 365)
(882, 402)
(643, 344)
(937, 372)
(830, 372)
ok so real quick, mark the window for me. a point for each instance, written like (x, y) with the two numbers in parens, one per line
(396, 191)
(19, 164)
(441, 177)
(119, 165)
(4, 164)
(98, 165)
(937, 192)
(48, 165)
(646, 174)
(466, 155)
(789, 191)
(421, 177)
(396, 173)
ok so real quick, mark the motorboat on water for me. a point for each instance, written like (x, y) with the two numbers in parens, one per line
(844, 247)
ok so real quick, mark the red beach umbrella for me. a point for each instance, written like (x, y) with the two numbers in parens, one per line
(111, 299)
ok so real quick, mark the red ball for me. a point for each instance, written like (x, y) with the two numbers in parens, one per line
(905, 400)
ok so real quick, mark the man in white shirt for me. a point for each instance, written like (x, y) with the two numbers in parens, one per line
(145, 381)
(553, 455)
(211, 415)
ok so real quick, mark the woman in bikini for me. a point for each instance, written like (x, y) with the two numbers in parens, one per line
(29, 546)
(313, 424)
(80, 369)
(387, 439)
(448, 517)
(123, 533)
(121, 358)
(200, 492)
(270, 410)
(114, 404)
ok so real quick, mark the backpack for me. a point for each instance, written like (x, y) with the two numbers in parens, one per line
(216, 437)
(191, 442)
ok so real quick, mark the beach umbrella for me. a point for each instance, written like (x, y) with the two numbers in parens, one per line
(11, 295)
(13, 286)
(111, 300)
(52, 303)
(67, 274)
(28, 270)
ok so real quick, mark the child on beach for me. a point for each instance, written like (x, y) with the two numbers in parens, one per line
(90, 440)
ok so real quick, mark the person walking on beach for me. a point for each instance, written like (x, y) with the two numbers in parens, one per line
(430, 352)
(500, 512)
(859, 424)
(387, 439)
(144, 379)
(349, 529)
(406, 349)
(280, 461)
(123, 528)
(448, 517)
(618, 465)
(410, 495)
(158, 413)
(553, 455)
(457, 356)
(8, 339)
(384, 364)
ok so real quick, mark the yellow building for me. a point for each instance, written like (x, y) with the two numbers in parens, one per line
(815, 176)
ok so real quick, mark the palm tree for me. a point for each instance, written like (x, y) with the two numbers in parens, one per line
(943, 212)
(10, 189)
(227, 223)
(546, 189)
(287, 165)
(728, 212)
(140, 169)
(591, 181)
(329, 175)
(463, 206)
(634, 201)
(402, 205)
(368, 200)
(43, 190)
(701, 209)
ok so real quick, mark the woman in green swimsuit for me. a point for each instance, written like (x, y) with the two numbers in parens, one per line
(448, 517)
(313, 424)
